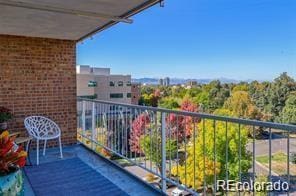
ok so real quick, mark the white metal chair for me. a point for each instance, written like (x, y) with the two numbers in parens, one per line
(42, 128)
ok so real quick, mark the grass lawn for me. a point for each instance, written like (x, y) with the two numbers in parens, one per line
(278, 163)
(278, 157)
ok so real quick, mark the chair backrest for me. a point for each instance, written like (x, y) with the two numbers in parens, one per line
(41, 127)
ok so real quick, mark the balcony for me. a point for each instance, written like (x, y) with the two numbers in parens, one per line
(113, 176)
(135, 149)
(178, 151)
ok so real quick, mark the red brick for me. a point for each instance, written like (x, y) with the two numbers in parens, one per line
(38, 77)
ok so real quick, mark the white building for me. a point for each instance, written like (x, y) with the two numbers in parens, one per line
(100, 84)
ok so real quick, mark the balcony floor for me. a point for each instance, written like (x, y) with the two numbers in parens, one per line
(118, 177)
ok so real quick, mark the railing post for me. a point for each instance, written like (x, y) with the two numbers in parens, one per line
(83, 116)
(83, 120)
(93, 125)
(163, 153)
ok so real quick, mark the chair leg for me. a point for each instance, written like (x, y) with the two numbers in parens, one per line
(37, 152)
(60, 142)
(28, 145)
(44, 147)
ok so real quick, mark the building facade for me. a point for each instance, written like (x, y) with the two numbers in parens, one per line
(99, 83)
(37, 77)
(164, 81)
(136, 93)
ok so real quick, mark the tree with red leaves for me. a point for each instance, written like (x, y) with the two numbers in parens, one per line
(180, 126)
(189, 106)
(138, 129)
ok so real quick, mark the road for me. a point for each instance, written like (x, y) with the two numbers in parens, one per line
(277, 144)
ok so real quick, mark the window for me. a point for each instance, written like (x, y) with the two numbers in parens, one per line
(112, 83)
(116, 95)
(128, 83)
(89, 96)
(92, 84)
(120, 83)
(128, 95)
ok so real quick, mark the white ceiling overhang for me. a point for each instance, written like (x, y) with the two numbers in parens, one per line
(66, 19)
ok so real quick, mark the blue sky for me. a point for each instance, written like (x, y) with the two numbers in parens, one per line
(238, 39)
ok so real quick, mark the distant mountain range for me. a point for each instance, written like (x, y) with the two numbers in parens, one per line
(174, 81)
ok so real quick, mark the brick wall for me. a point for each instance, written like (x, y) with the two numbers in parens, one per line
(38, 77)
(136, 93)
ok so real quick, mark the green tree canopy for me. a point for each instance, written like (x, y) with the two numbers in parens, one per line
(277, 95)
(288, 115)
(203, 144)
(169, 103)
(241, 106)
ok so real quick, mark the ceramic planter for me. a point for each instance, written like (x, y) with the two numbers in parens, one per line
(12, 184)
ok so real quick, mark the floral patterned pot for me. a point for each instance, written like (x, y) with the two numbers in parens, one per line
(12, 184)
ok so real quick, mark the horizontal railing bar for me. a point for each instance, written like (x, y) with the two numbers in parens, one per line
(120, 155)
(133, 162)
(120, 167)
(286, 127)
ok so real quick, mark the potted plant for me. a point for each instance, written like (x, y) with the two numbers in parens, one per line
(5, 116)
(12, 158)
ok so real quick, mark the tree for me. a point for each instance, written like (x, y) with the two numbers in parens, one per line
(243, 86)
(180, 126)
(223, 112)
(147, 90)
(278, 93)
(198, 150)
(151, 146)
(166, 91)
(258, 94)
(169, 103)
(144, 100)
(179, 92)
(150, 100)
(139, 126)
(218, 93)
(145, 136)
(193, 92)
(203, 100)
(288, 115)
(241, 106)
(154, 98)
(188, 105)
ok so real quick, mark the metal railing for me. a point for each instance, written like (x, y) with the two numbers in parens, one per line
(190, 151)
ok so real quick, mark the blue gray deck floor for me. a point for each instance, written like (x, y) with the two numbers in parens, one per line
(124, 181)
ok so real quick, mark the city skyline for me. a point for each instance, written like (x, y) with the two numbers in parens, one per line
(187, 40)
